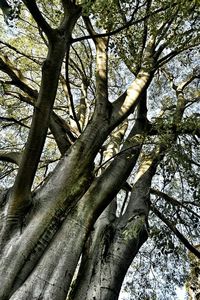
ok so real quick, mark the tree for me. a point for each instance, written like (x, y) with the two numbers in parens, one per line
(192, 283)
(100, 134)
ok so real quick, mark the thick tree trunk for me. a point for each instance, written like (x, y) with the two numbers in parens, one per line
(107, 256)
(52, 276)
(114, 243)
(64, 210)
(46, 251)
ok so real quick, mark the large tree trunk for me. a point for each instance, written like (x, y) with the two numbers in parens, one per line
(113, 244)
(47, 247)
(107, 256)
(39, 262)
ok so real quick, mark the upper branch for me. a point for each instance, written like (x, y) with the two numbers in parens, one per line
(69, 90)
(35, 12)
(127, 25)
(166, 58)
(172, 200)
(101, 75)
(20, 52)
(13, 157)
(101, 44)
(20, 195)
(127, 102)
(62, 135)
(17, 77)
(176, 232)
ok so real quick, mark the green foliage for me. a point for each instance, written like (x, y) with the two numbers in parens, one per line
(132, 232)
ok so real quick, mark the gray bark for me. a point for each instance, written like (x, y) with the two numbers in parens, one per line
(115, 242)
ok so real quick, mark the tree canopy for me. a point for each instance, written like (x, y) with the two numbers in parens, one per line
(99, 159)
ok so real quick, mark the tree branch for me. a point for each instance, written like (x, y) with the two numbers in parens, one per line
(140, 193)
(127, 25)
(101, 76)
(13, 121)
(176, 232)
(101, 44)
(172, 200)
(58, 129)
(17, 77)
(174, 53)
(20, 196)
(13, 157)
(128, 101)
(61, 132)
(40, 20)
(69, 90)
(19, 52)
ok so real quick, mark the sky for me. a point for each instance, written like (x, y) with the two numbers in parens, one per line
(181, 293)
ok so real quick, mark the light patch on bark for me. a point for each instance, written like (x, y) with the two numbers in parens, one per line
(102, 59)
(132, 232)
(143, 168)
(134, 91)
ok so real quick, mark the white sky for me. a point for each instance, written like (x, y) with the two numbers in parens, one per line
(181, 293)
